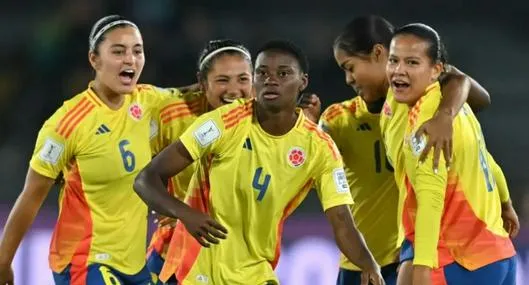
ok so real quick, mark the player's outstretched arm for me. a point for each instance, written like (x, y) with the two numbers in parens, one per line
(352, 244)
(149, 185)
(457, 88)
(36, 188)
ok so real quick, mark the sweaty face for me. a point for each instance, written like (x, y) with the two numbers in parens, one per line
(366, 74)
(229, 78)
(410, 70)
(120, 60)
(278, 80)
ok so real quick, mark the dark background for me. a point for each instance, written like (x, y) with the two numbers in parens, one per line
(43, 51)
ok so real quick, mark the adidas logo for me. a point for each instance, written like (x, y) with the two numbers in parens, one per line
(363, 127)
(247, 144)
(103, 129)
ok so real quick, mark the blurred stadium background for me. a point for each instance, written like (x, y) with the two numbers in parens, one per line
(44, 61)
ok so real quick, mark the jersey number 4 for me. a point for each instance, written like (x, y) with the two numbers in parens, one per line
(129, 161)
(258, 186)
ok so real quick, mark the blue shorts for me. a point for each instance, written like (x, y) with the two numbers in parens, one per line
(350, 277)
(155, 264)
(100, 274)
(502, 272)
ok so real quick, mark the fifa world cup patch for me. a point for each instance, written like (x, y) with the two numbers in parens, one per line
(340, 181)
(51, 151)
(153, 129)
(135, 112)
(417, 144)
(296, 157)
(207, 133)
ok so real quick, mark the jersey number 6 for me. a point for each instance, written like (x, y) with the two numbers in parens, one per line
(129, 161)
(261, 187)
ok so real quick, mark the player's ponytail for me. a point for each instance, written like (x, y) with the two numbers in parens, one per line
(214, 49)
(361, 34)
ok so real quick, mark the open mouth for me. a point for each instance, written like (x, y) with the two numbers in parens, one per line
(127, 76)
(399, 85)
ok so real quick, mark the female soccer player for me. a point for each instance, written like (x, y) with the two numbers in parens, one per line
(285, 154)
(99, 139)
(452, 216)
(361, 51)
(224, 75)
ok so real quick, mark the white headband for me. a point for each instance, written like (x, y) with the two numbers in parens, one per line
(106, 28)
(212, 54)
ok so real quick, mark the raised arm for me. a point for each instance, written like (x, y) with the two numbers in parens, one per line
(36, 188)
(457, 88)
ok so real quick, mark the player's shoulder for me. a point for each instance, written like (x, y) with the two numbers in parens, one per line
(319, 138)
(73, 113)
(241, 110)
(340, 110)
(427, 105)
(182, 106)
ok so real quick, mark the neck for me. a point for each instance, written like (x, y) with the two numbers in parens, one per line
(110, 98)
(275, 122)
(376, 107)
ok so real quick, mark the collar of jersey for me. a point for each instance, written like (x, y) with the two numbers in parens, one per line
(99, 102)
(299, 121)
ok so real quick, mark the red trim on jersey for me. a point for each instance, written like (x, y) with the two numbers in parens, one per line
(335, 112)
(309, 125)
(181, 109)
(291, 206)
(94, 97)
(413, 113)
(354, 106)
(74, 117)
(236, 115)
(72, 236)
(463, 236)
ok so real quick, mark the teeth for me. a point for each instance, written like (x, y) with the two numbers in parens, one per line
(128, 71)
(228, 100)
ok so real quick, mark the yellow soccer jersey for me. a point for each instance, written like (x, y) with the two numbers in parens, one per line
(175, 116)
(393, 126)
(250, 181)
(100, 151)
(452, 215)
(358, 137)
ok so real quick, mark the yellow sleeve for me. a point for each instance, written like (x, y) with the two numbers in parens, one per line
(499, 177)
(329, 122)
(331, 183)
(205, 135)
(429, 189)
(52, 151)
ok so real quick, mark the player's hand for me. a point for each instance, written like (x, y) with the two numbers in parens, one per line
(510, 219)
(439, 131)
(6, 276)
(422, 275)
(372, 276)
(203, 228)
(195, 87)
(311, 105)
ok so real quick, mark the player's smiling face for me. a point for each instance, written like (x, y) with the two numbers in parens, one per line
(120, 59)
(278, 79)
(229, 78)
(366, 74)
(409, 69)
